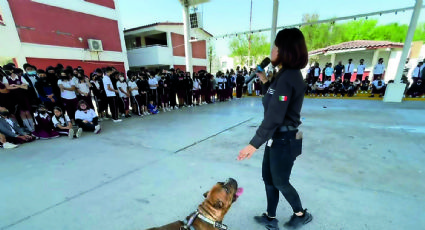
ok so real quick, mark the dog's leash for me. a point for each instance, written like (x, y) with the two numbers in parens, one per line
(188, 225)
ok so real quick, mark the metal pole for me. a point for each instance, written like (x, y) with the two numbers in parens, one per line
(408, 42)
(187, 45)
(274, 24)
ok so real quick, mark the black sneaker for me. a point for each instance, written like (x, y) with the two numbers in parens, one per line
(269, 223)
(297, 221)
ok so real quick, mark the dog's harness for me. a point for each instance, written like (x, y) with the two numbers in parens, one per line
(193, 216)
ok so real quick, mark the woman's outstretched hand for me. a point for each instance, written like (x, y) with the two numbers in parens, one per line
(246, 152)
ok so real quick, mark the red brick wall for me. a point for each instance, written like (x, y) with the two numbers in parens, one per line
(43, 21)
(88, 66)
(198, 48)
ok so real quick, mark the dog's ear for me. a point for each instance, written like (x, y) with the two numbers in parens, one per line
(206, 194)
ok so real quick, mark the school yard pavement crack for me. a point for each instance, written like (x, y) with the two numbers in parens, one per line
(197, 142)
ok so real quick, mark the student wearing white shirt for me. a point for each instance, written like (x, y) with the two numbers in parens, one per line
(153, 85)
(328, 72)
(124, 94)
(69, 98)
(111, 94)
(349, 70)
(86, 118)
(378, 86)
(83, 87)
(417, 72)
(378, 70)
(62, 124)
(316, 72)
(17, 97)
(134, 91)
(196, 90)
(360, 70)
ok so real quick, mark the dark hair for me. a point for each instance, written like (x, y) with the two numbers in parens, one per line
(82, 102)
(40, 71)
(108, 69)
(292, 52)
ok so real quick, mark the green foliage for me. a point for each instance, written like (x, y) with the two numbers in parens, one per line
(322, 35)
(239, 49)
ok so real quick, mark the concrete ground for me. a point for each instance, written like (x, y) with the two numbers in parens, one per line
(361, 168)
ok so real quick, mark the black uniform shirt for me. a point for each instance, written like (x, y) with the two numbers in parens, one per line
(282, 104)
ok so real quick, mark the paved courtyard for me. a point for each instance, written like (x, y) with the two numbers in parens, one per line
(362, 167)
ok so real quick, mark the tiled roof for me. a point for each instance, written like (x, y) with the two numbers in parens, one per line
(162, 24)
(358, 45)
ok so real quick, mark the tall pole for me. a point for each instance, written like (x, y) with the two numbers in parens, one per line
(187, 45)
(249, 36)
(395, 91)
(408, 42)
(274, 24)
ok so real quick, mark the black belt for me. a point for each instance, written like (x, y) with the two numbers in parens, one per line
(286, 129)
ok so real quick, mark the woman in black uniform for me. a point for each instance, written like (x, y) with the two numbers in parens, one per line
(282, 105)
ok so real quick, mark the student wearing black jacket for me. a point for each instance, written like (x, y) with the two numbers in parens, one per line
(189, 87)
(143, 86)
(282, 106)
(240, 80)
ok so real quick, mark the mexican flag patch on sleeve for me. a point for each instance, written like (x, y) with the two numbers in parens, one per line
(283, 98)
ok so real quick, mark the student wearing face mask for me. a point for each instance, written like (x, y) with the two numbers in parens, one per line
(143, 86)
(153, 85)
(43, 124)
(163, 92)
(31, 77)
(13, 132)
(124, 94)
(111, 94)
(188, 82)
(99, 94)
(86, 118)
(69, 98)
(83, 89)
(135, 96)
(417, 89)
(46, 91)
(18, 87)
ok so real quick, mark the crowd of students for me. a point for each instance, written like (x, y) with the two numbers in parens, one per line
(43, 104)
(320, 81)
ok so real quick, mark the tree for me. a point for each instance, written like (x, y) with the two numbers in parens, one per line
(214, 63)
(325, 34)
(239, 49)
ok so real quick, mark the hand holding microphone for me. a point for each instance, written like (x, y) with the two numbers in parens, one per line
(260, 71)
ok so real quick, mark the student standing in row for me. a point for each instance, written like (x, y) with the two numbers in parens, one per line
(111, 94)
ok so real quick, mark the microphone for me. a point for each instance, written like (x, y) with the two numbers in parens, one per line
(260, 68)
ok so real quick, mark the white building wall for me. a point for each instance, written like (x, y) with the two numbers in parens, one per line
(10, 45)
(392, 66)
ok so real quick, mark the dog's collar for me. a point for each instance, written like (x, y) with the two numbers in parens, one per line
(188, 224)
(216, 224)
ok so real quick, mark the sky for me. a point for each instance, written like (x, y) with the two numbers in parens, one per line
(230, 16)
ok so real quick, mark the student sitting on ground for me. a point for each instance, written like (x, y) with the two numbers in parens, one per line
(152, 108)
(86, 118)
(63, 124)
(417, 89)
(4, 144)
(378, 86)
(321, 88)
(365, 85)
(14, 134)
(43, 124)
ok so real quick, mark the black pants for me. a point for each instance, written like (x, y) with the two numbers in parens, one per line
(87, 126)
(359, 76)
(112, 102)
(347, 76)
(277, 166)
(173, 98)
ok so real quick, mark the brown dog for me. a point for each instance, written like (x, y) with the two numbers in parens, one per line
(211, 211)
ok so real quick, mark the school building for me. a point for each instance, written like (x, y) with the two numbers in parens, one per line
(86, 33)
(161, 46)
